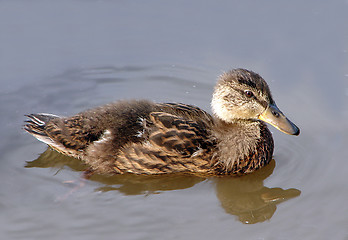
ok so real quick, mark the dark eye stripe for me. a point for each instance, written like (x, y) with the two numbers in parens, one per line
(261, 102)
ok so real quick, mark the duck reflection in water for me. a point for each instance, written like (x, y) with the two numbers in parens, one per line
(245, 197)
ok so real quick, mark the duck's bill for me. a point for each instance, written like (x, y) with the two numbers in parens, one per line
(276, 118)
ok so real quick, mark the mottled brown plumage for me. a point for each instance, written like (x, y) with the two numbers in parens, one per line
(143, 137)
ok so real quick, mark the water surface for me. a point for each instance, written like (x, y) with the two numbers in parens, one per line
(63, 57)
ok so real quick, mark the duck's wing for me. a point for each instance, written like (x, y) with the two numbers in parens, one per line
(177, 134)
(174, 144)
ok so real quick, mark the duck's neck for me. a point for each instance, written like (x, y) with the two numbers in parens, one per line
(239, 141)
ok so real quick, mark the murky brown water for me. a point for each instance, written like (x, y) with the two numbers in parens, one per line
(63, 57)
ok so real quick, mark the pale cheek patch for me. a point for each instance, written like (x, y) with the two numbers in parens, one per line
(222, 109)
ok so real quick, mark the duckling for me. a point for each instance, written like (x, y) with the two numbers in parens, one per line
(143, 137)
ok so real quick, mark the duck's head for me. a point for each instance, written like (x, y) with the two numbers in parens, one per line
(241, 94)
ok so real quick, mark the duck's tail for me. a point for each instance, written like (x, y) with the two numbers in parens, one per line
(36, 126)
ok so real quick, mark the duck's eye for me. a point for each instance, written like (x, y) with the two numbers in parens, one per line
(248, 93)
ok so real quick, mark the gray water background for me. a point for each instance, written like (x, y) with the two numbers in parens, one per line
(65, 56)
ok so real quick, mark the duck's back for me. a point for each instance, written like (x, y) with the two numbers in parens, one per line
(131, 136)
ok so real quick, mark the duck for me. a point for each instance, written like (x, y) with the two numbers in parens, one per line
(144, 137)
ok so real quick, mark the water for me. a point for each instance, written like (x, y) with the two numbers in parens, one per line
(63, 57)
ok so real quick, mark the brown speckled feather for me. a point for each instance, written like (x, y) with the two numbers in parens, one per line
(177, 134)
(172, 144)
